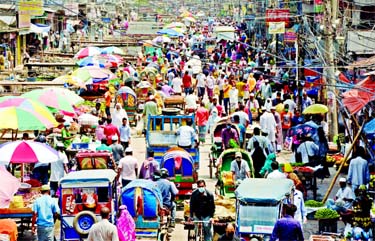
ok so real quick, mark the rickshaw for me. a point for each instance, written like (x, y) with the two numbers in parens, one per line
(259, 204)
(224, 174)
(149, 73)
(128, 99)
(217, 145)
(182, 171)
(82, 195)
(141, 91)
(94, 160)
(145, 204)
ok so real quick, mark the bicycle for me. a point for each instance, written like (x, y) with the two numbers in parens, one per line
(195, 229)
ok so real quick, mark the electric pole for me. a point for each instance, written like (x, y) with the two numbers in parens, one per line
(330, 16)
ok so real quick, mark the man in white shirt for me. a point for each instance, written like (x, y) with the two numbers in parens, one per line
(103, 230)
(128, 167)
(58, 168)
(210, 84)
(276, 174)
(187, 135)
(191, 102)
(201, 84)
(177, 85)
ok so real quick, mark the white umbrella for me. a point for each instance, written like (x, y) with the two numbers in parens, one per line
(26, 152)
(161, 39)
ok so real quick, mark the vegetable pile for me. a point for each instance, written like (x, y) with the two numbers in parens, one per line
(326, 213)
(313, 204)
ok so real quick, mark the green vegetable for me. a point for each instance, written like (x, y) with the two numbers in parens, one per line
(313, 204)
(326, 213)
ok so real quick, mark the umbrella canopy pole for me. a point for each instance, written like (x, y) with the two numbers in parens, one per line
(342, 164)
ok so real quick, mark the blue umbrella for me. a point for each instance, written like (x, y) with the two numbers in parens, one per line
(170, 32)
(90, 61)
(302, 129)
(369, 127)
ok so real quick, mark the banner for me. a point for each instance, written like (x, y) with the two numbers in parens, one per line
(276, 28)
(32, 8)
(277, 15)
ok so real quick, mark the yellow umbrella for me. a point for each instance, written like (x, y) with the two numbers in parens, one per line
(186, 14)
(316, 109)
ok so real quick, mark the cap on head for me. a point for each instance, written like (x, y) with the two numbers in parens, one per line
(273, 108)
(252, 95)
(128, 150)
(342, 179)
(114, 138)
(152, 97)
(45, 188)
(238, 154)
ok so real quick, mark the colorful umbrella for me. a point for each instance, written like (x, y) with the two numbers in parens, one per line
(161, 39)
(38, 108)
(9, 186)
(170, 32)
(51, 99)
(369, 127)
(27, 152)
(302, 129)
(17, 118)
(71, 96)
(113, 50)
(88, 51)
(92, 61)
(175, 25)
(91, 74)
(147, 43)
(315, 109)
(113, 59)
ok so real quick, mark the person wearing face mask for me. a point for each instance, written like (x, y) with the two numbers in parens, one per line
(229, 234)
(240, 168)
(227, 134)
(202, 208)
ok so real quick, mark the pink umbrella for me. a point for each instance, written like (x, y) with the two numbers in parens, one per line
(26, 152)
(9, 186)
(88, 51)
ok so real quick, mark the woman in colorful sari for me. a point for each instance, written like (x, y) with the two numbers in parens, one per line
(125, 225)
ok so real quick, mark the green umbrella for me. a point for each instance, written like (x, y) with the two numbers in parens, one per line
(53, 99)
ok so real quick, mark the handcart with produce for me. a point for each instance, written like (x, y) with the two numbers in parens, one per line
(225, 175)
(145, 204)
(225, 210)
(82, 195)
(217, 144)
(182, 172)
(259, 203)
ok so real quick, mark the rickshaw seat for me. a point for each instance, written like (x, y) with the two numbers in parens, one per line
(164, 211)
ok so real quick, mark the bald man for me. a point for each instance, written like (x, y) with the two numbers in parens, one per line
(229, 234)
(103, 230)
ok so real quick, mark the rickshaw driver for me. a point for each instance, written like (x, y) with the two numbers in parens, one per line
(168, 191)
(202, 208)
(240, 168)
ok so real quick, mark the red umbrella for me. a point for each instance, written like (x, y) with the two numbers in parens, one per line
(354, 100)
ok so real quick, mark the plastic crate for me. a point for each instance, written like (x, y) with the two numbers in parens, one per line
(78, 146)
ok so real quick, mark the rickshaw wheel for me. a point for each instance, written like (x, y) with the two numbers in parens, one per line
(83, 222)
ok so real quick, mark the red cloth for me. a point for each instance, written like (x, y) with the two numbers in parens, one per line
(109, 131)
(358, 97)
(186, 80)
(202, 116)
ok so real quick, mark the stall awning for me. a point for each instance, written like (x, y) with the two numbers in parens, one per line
(8, 20)
(39, 28)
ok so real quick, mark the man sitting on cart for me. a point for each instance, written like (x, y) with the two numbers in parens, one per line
(240, 168)
(187, 135)
(168, 191)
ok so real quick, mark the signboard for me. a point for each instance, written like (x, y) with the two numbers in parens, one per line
(263, 229)
(23, 20)
(32, 8)
(276, 28)
(290, 37)
(277, 15)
